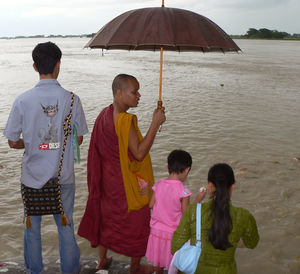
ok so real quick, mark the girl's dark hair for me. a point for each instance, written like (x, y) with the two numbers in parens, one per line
(222, 177)
(178, 161)
(45, 57)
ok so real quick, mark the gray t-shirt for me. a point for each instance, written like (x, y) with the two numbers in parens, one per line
(38, 114)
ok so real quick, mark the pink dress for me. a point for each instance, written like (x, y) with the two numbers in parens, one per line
(166, 215)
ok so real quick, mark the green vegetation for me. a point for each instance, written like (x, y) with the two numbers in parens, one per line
(264, 33)
(252, 33)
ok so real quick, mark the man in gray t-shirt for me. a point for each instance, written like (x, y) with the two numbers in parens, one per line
(38, 115)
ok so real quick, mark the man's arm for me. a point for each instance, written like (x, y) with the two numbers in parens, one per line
(16, 145)
(141, 149)
(80, 140)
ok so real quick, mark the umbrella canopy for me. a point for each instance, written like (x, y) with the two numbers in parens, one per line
(165, 29)
(170, 28)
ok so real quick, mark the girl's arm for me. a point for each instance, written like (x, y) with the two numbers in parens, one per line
(183, 232)
(200, 195)
(152, 201)
(185, 202)
(250, 236)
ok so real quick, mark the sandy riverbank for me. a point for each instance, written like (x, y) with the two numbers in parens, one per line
(52, 266)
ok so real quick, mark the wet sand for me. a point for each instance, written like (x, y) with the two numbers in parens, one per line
(52, 266)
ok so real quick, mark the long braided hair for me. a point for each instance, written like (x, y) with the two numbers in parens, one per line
(222, 177)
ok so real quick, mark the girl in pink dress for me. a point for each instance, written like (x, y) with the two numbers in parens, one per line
(169, 200)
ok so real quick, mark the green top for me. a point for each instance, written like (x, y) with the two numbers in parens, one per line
(214, 260)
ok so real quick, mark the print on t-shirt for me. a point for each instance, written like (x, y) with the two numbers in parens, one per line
(49, 137)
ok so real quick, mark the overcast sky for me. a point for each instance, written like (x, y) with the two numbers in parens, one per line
(32, 17)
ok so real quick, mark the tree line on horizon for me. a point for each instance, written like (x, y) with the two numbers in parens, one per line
(252, 33)
(264, 33)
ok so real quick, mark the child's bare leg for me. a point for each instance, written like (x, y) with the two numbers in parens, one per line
(103, 261)
(138, 268)
(159, 270)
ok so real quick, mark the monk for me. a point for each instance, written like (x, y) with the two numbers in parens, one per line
(113, 219)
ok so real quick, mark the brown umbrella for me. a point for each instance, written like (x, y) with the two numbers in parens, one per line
(162, 29)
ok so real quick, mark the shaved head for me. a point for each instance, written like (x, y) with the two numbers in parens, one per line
(121, 82)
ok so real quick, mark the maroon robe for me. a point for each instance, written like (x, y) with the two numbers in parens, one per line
(106, 220)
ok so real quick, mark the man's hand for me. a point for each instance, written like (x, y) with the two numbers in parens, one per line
(80, 140)
(16, 145)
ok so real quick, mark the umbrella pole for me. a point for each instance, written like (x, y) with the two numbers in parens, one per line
(159, 103)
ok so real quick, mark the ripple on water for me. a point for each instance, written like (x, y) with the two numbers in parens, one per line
(251, 122)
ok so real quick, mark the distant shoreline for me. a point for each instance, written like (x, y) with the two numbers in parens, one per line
(281, 39)
(252, 33)
(50, 36)
(92, 34)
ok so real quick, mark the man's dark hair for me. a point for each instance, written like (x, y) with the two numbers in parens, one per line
(178, 161)
(121, 81)
(45, 57)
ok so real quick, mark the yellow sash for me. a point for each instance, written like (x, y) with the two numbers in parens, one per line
(137, 176)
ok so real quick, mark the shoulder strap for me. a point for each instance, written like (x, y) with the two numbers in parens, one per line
(67, 132)
(198, 225)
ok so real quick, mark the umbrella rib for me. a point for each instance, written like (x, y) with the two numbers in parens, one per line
(120, 24)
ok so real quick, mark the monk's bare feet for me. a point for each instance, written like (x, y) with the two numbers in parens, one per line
(105, 263)
(142, 269)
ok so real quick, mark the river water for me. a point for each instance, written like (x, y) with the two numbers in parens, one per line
(243, 109)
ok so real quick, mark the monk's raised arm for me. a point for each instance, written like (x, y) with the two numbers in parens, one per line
(140, 149)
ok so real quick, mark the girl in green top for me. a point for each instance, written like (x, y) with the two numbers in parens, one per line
(222, 225)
